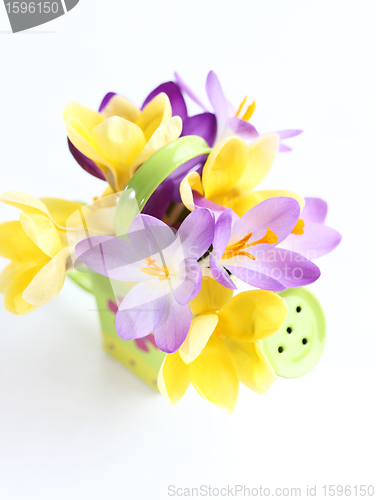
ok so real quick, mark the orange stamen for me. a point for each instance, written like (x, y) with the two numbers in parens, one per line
(299, 228)
(153, 270)
(241, 106)
(239, 247)
(250, 110)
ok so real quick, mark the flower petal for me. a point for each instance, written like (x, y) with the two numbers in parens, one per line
(286, 134)
(13, 281)
(212, 297)
(154, 113)
(42, 232)
(199, 333)
(204, 125)
(217, 98)
(196, 233)
(173, 378)
(262, 153)
(172, 91)
(253, 368)
(280, 215)
(188, 284)
(289, 268)
(315, 210)
(317, 240)
(140, 311)
(86, 117)
(219, 273)
(15, 245)
(106, 100)
(242, 204)
(191, 182)
(213, 375)
(174, 326)
(119, 141)
(184, 87)
(160, 200)
(224, 167)
(222, 232)
(167, 132)
(242, 128)
(118, 105)
(88, 165)
(49, 281)
(255, 276)
(252, 316)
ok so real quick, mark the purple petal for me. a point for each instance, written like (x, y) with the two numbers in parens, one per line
(222, 232)
(114, 258)
(178, 105)
(283, 148)
(160, 200)
(85, 162)
(196, 233)
(316, 241)
(191, 279)
(203, 125)
(150, 235)
(202, 202)
(242, 128)
(256, 278)
(173, 328)
(192, 165)
(140, 312)
(217, 98)
(219, 273)
(107, 98)
(289, 268)
(184, 87)
(286, 134)
(315, 210)
(279, 214)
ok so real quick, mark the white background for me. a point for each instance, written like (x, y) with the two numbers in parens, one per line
(73, 422)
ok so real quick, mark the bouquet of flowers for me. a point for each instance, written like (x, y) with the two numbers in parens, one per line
(199, 277)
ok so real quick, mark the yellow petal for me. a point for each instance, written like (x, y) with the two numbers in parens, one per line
(13, 281)
(16, 245)
(261, 156)
(83, 141)
(57, 210)
(120, 106)
(173, 378)
(253, 368)
(167, 132)
(224, 167)
(191, 182)
(199, 333)
(61, 210)
(88, 118)
(213, 375)
(154, 113)
(212, 297)
(242, 204)
(119, 141)
(42, 232)
(252, 316)
(49, 281)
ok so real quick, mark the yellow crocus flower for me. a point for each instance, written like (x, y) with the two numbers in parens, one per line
(232, 171)
(37, 247)
(121, 137)
(221, 348)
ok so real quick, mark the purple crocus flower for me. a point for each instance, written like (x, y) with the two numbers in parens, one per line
(203, 125)
(229, 121)
(164, 266)
(247, 247)
(311, 237)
